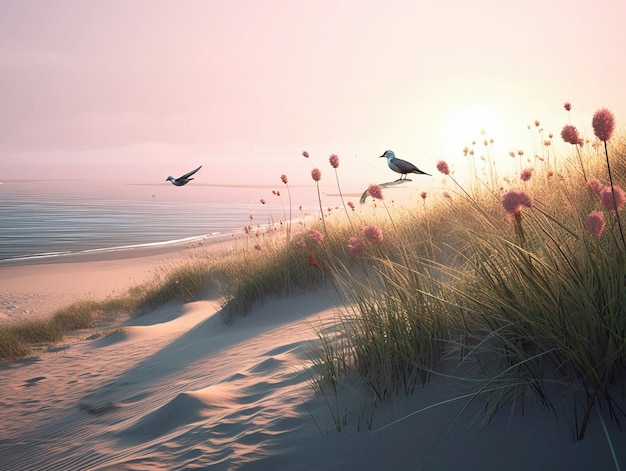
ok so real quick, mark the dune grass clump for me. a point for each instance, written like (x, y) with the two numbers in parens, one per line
(17, 338)
(521, 280)
(78, 315)
(185, 282)
(11, 345)
(273, 267)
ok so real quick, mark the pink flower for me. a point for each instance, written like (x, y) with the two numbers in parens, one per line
(356, 246)
(334, 161)
(567, 105)
(513, 201)
(373, 234)
(351, 204)
(607, 196)
(603, 124)
(570, 135)
(375, 191)
(316, 174)
(314, 237)
(526, 174)
(595, 186)
(283, 178)
(306, 154)
(595, 223)
(442, 166)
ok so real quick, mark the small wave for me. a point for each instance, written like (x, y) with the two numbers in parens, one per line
(52, 255)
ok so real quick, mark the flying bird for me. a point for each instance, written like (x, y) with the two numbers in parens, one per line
(401, 166)
(180, 181)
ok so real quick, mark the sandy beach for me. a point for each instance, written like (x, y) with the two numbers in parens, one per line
(180, 389)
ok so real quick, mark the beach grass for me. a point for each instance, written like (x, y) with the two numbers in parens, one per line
(517, 281)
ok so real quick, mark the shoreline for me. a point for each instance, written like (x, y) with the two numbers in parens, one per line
(119, 253)
(36, 288)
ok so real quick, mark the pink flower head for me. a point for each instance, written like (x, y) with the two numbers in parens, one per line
(570, 135)
(513, 201)
(595, 186)
(567, 105)
(442, 166)
(316, 174)
(314, 237)
(305, 154)
(594, 223)
(603, 124)
(283, 178)
(526, 174)
(612, 200)
(334, 161)
(375, 191)
(373, 234)
(356, 246)
(351, 204)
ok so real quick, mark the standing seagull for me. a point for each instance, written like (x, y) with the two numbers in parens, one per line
(180, 181)
(401, 166)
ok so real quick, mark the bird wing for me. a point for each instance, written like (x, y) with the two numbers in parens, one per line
(404, 166)
(187, 175)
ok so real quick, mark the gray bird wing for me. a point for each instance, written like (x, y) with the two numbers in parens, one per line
(404, 166)
(187, 175)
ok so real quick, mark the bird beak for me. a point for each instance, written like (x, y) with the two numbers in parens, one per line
(381, 156)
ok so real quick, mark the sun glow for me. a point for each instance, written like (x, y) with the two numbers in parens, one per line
(480, 128)
(474, 123)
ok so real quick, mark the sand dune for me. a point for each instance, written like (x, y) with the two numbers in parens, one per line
(179, 389)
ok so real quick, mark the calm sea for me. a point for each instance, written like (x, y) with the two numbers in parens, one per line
(56, 218)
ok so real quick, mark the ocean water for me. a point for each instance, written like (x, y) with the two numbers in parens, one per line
(47, 219)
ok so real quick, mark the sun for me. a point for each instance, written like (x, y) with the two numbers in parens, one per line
(473, 126)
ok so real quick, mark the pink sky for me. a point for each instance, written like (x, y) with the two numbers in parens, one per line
(143, 89)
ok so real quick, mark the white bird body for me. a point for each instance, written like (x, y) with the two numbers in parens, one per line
(401, 166)
(182, 180)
